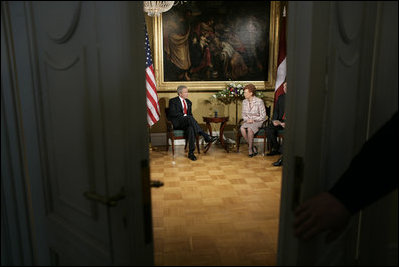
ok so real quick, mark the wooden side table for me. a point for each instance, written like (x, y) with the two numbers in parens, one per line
(223, 121)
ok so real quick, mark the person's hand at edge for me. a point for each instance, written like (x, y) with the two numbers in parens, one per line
(322, 212)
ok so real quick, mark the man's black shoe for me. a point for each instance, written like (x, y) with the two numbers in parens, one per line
(211, 139)
(273, 152)
(279, 162)
(192, 157)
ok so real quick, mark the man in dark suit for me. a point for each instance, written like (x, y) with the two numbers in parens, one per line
(278, 123)
(181, 116)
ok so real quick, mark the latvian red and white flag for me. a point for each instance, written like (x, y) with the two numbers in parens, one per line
(152, 96)
(282, 61)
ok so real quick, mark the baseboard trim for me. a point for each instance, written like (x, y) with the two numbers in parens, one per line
(159, 139)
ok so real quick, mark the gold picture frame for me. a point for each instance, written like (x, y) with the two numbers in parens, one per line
(204, 86)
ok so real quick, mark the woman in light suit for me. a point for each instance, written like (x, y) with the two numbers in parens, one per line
(253, 114)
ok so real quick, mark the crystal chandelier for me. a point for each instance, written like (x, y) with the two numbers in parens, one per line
(154, 8)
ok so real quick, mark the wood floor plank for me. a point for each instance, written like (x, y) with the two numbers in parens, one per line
(219, 210)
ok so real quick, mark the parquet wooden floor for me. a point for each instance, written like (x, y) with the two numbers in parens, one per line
(222, 209)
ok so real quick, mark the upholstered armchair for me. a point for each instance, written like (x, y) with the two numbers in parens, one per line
(174, 134)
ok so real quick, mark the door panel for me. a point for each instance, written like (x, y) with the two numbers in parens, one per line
(83, 114)
(335, 75)
(67, 69)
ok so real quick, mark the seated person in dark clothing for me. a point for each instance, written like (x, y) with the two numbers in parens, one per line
(278, 123)
(182, 119)
(361, 184)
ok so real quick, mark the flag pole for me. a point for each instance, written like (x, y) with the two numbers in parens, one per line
(149, 138)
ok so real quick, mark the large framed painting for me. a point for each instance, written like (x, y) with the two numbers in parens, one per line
(206, 44)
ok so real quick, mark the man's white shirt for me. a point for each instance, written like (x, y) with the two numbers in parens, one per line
(182, 104)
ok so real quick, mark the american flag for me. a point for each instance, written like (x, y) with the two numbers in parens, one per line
(152, 96)
(282, 61)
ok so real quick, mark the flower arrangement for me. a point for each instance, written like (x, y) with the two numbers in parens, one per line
(234, 91)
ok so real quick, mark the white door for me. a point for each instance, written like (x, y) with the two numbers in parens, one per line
(79, 68)
(342, 86)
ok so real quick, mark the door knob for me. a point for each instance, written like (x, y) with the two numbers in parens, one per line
(108, 201)
(156, 183)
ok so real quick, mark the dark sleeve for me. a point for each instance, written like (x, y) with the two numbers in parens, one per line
(174, 111)
(373, 172)
(189, 107)
(278, 112)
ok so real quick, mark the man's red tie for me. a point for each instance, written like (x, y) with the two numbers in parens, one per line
(185, 107)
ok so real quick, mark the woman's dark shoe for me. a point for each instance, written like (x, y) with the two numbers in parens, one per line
(250, 155)
(256, 151)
